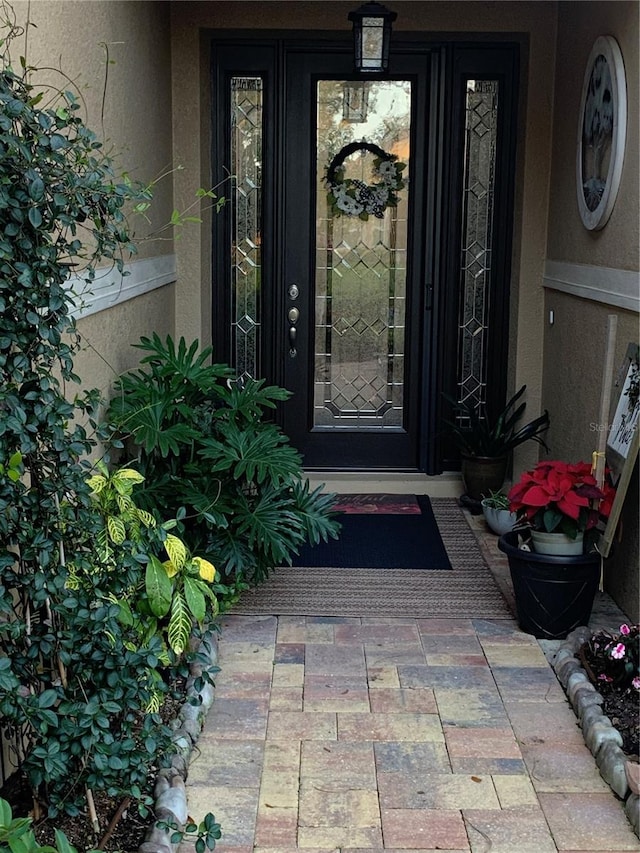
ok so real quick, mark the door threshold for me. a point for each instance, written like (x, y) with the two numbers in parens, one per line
(448, 485)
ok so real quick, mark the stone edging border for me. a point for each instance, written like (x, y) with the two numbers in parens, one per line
(169, 793)
(600, 736)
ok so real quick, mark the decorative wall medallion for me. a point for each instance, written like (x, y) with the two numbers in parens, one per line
(601, 133)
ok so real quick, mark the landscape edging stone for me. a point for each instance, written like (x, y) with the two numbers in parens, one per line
(170, 796)
(600, 736)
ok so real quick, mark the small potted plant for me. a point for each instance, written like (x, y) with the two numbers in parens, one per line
(554, 592)
(497, 513)
(486, 442)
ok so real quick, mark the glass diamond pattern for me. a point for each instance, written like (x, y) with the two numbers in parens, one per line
(478, 190)
(360, 280)
(246, 211)
(246, 324)
(476, 237)
(340, 327)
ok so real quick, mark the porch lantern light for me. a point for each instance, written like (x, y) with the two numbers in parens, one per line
(371, 36)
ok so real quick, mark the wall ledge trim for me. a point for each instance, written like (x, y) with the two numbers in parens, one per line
(600, 284)
(110, 288)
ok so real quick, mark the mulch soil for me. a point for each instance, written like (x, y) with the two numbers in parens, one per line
(620, 705)
(121, 828)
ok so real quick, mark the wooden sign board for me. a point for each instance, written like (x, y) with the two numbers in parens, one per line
(623, 438)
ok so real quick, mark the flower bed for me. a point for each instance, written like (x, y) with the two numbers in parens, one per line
(121, 829)
(601, 735)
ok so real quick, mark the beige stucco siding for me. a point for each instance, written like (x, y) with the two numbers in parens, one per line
(575, 344)
(106, 337)
(116, 55)
(617, 245)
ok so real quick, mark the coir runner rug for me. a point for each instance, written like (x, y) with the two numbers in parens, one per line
(381, 532)
(467, 590)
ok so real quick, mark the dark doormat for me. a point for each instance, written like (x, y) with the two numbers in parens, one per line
(400, 533)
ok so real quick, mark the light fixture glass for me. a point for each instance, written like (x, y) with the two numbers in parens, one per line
(371, 36)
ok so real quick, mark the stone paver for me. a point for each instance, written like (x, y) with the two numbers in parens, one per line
(441, 829)
(521, 829)
(587, 822)
(436, 791)
(569, 769)
(366, 735)
(471, 708)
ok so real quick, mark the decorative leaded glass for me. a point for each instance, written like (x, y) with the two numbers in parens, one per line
(246, 213)
(477, 237)
(360, 270)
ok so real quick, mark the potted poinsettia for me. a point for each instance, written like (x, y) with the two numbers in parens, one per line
(560, 502)
(554, 592)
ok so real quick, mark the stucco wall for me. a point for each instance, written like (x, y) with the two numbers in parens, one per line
(106, 349)
(134, 124)
(534, 21)
(575, 344)
(618, 243)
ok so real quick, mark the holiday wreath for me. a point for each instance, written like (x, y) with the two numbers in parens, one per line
(356, 198)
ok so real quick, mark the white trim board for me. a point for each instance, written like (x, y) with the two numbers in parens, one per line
(600, 284)
(110, 288)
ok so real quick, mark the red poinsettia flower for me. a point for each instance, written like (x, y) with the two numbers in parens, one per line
(560, 495)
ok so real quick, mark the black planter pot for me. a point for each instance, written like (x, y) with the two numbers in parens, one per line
(482, 475)
(553, 595)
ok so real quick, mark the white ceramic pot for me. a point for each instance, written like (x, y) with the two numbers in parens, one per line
(556, 544)
(499, 520)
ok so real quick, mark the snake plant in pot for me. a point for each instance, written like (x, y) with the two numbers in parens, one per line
(486, 442)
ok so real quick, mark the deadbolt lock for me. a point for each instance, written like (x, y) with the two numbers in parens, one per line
(293, 315)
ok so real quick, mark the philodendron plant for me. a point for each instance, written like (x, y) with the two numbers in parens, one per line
(212, 457)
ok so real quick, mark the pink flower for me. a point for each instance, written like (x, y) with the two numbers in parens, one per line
(618, 651)
(625, 629)
(636, 682)
(604, 677)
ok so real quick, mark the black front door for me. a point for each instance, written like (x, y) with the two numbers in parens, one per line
(353, 283)
(362, 258)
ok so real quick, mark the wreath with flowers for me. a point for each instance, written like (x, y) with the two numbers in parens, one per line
(352, 197)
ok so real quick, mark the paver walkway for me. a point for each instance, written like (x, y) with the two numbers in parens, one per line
(345, 734)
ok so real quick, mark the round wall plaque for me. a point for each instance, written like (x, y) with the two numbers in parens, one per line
(601, 133)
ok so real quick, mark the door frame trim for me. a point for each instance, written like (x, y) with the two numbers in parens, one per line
(441, 217)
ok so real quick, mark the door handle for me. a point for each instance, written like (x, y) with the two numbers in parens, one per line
(293, 316)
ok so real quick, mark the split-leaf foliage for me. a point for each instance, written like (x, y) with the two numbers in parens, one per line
(211, 454)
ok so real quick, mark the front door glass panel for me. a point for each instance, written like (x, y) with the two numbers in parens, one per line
(477, 238)
(361, 261)
(246, 201)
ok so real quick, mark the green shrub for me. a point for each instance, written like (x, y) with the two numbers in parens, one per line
(211, 456)
(166, 590)
(76, 683)
(16, 835)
